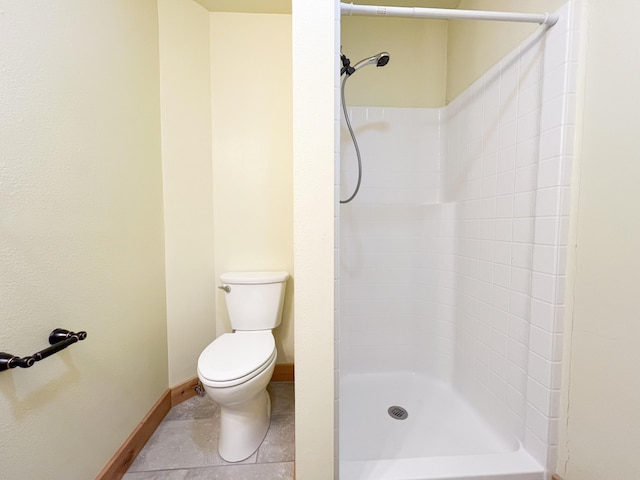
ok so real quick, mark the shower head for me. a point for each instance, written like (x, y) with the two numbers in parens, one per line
(379, 60)
(383, 59)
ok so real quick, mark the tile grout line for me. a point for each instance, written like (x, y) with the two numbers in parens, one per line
(283, 426)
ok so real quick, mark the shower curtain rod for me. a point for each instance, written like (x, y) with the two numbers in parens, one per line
(448, 14)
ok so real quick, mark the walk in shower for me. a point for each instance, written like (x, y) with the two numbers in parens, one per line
(451, 273)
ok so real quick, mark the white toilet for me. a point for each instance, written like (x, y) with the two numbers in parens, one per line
(235, 368)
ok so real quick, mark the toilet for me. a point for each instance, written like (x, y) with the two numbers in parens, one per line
(235, 368)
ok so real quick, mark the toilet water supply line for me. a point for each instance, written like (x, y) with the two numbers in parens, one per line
(546, 19)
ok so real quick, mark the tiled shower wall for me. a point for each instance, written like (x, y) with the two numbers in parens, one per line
(452, 256)
(396, 295)
(508, 170)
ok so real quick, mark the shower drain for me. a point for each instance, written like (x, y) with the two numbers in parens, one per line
(397, 412)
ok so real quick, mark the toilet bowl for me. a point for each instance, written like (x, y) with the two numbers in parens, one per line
(236, 368)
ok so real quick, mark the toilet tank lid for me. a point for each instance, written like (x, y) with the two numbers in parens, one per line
(253, 278)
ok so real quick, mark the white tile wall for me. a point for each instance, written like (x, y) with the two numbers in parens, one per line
(452, 256)
(523, 191)
(396, 283)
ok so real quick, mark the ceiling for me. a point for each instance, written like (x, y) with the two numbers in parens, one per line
(284, 6)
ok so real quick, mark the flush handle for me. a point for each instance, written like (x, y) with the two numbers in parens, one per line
(226, 288)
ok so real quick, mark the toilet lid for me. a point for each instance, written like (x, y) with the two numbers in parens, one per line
(235, 355)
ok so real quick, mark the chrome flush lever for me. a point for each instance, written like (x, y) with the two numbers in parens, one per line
(226, 288)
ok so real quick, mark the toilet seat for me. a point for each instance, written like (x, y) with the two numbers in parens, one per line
(234, 358)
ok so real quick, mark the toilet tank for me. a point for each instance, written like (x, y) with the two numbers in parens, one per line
(254, 299)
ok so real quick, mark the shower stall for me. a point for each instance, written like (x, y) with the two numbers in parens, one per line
(451, 273)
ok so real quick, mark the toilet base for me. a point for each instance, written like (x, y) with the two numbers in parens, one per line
(243, 427)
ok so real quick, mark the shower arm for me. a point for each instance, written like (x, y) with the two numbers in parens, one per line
(448, 14)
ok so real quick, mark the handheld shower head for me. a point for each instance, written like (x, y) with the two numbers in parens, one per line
(383, 59)
(379, 60)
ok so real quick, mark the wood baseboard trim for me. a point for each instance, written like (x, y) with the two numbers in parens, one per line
(284, 372)
(127, 453)
(124, 457)
(184, 391)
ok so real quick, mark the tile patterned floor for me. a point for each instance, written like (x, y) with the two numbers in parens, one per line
(185, 445)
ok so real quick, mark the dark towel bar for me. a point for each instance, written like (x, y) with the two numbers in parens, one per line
(59, 339)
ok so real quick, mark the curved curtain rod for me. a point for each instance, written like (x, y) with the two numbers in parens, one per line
(448, 14)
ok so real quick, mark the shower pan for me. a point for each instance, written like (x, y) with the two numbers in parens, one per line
(451, 280)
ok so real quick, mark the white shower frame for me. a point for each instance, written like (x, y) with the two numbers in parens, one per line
(560, 68)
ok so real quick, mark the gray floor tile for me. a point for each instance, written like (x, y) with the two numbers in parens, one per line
(185, 445)
(157, 475)
(279, 444)
(267, 471)
(193, 409)
(282, 398)
(182, 444)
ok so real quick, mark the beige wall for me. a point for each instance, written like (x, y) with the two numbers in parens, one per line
(81, 231)
(416, 73)
(475, 46)
(601, 385)
(188, 183)
(226, 144)
(252, 153)
(314, 135)
(247, 6)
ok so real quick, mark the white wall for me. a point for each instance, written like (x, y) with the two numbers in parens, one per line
(252, 153)
(400, 148)
(393, 299)
(188, 183)
(315, 138)
(81, 228)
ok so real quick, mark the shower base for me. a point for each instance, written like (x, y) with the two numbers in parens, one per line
(440, 438)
